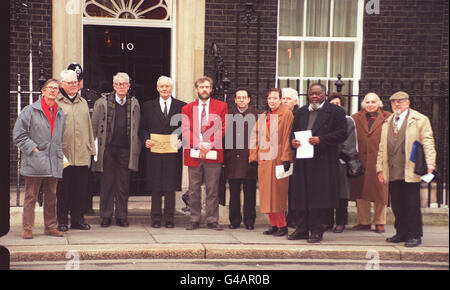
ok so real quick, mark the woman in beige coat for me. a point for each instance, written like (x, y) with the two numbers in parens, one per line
(366, 188)
(270, 147)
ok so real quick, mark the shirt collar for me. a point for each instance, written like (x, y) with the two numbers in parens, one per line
(168, 101)
(118, 99)
(200, 102)
(402, 115)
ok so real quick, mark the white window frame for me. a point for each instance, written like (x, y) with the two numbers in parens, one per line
(357, 58)
(171, 24)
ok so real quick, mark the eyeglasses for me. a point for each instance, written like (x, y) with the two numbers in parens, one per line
(74, 83)
(52, 88)
(122, 85)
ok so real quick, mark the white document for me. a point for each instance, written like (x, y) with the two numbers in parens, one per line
(305, 150)
(212, 154)
(428, 177)
(280, 173)
(96, 149)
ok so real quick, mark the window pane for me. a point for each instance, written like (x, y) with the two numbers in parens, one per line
(342, 54)
(289, 58)
(345, 16)
(291, 18)
(315, 59)
(317, 18)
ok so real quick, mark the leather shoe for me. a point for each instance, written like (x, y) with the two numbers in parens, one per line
(156, 224)
(413, 242)
(170, 225)
(297, 235)
(339, 229)
(27, 234)
(214, 226)
(233, 226)
(395, 239)
(53, 232)
(250, 227)
(270, 231)
(63, 228)
(106, 222)
(315, 238)
(83, 227)
(122, 223)
(193, 226)
(360, 227)
(379, 229)
(281, 232)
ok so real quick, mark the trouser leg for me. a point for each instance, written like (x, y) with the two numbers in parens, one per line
(49, 190)
(62, 195)
(32, 185)
(195, 191)
(249, 201)
(212, 175)
(395, 192)
(235, 216)
(123, 184)
(77, 193)
(380, 213)
(156, 206)
(107, 185)
(169, 206)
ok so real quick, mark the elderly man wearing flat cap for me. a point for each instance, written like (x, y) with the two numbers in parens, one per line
(394, 167)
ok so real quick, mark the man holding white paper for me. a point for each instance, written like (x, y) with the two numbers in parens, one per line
(164, 156)
(203, 127)
(315, 177)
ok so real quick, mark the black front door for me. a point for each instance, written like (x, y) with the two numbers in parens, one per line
(143, 53)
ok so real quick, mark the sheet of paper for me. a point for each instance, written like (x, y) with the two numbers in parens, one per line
(164, 143)
(65, 161)
(428, 177)
(280, 173)
(305, 150)
(211, 155)
(96, 149)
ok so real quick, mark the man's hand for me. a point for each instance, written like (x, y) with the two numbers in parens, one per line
(35, 150)
(431, 168)
(314, 140)
(204, 147)
(149, 143)
(178, 144)
(286, 165)
(296, 143)
(380, 177)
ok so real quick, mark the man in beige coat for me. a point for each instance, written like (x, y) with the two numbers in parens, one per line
(394, 166)
(78, 146)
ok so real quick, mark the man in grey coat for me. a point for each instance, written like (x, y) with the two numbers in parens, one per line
(38, 132)
(115, 122)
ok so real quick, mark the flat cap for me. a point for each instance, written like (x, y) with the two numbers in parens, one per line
(400, 95)
(78, 70)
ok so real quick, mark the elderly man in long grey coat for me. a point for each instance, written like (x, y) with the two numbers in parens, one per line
(115, 122)
(38, 133)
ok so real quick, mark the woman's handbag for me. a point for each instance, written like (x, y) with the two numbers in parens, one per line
(354, 167)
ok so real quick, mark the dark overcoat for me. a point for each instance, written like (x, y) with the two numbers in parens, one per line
(163, 171)
(236, 151)
(315, 180)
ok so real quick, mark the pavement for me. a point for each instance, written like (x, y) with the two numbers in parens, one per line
(141, 241)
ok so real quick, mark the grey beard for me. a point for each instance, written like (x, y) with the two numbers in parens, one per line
(315, 106)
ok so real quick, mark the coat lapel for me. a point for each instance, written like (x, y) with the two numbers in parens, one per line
(324, 113)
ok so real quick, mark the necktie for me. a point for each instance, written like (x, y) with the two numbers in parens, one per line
(203, 121)
(396, 126)
(51, 112)
(122, 101)
(165, 109)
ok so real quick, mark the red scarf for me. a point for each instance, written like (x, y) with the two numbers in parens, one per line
(46, 108)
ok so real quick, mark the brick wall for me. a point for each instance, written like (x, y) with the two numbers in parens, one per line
(404, 43)
(221, 29)
(39, 16)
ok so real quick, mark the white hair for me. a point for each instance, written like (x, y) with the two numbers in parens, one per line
(164, 78)
(290, 92)
(121, 75)
(363, 103)
(68, 75)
